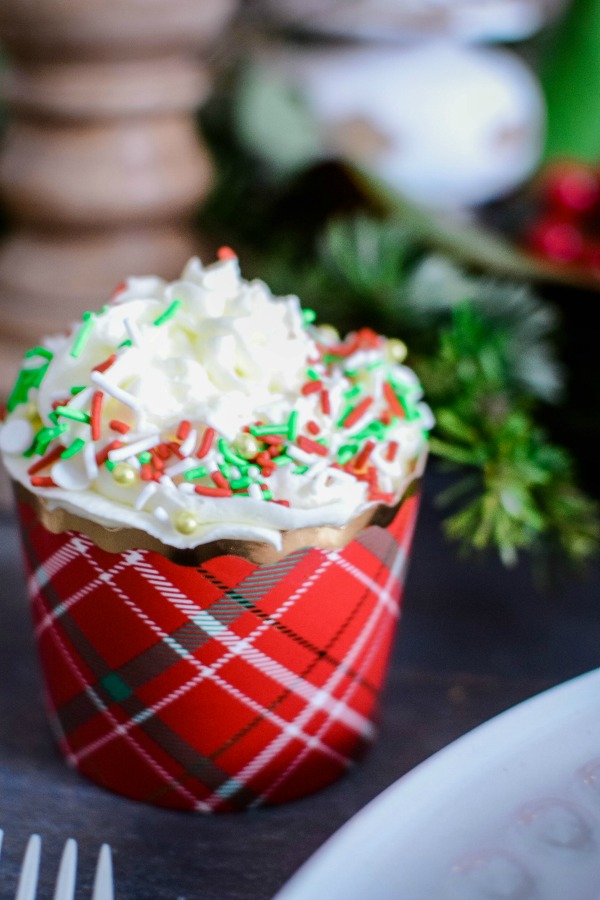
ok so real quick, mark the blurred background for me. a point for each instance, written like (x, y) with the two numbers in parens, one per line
(430, 168)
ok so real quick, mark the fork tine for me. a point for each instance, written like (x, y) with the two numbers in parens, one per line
(103, 882)
(67, 872)
(29, 869)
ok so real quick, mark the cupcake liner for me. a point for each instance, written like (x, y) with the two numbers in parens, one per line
(218, 686)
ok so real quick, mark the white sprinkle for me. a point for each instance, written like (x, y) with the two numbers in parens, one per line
(299, 455)
(145, 494)
(161, 514)
(338, 474)
(115, 391)
(89, 458)
(81, 399)
(133, 331)
(182, 465)
(16, 436)
(255, 491)
(186, 487)
(167, 483)
(189, 445)
(132, 449)
(317, 468)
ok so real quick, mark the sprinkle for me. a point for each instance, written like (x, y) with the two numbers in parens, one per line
(363, 457)
(391, 451)
(164, 451)
(146, 472)
(308, 316)
(187, 447)
(118, 425)
(160, 513)
(224, 253)
(147, 491)
(255, 491)
(311, 387)
(46, 435)
(275, 450)
(145, 457)
(346, 453)
(102, 456)
(157, 462)
(282, 460)
(114, 391)
(219, 479)
(311, 446)
(89, 460)
(75, 447)
(392, 400)
(96, 411)
(274, 440)
(313, 427)
(103, 366)
(179, 468)
(196, 472)
(300, 470)
(43, 481)
(293, 425)
(169, 312)
(207, 491)
(206, 443)
(134, 448)
(355, 414)
(76, 414)
(39, 351)
(325, 403)
(77, 389)
(46, 460)
(265, 430)
(299, 455)
(83, 335)
(133, 331)
(282, 502)
(230, 455)
(267, 470)
(313, 374)
(184, 429)
(263, 458)
(27, 379)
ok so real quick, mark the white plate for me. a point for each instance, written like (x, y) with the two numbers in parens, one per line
(510, 811)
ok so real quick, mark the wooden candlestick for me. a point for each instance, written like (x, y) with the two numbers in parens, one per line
(102, 165)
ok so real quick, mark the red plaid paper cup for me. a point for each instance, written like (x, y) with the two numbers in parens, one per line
(220, 686)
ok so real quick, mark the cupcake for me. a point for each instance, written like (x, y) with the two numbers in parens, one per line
(217, 497)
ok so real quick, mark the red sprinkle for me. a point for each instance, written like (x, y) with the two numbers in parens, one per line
(147, 472)
(206, 443)
(381, 496)
(96, 412)
(311, 446)
(391, 451)
(58, 403)
(102, 455)
(43, 481)
(46, 460)
(103, 366)
(157, 462)
(357, 413)
(392, 401)
(276, 450)
(219, 479)
(313, 427)
(162, 450)
(311, 387)
(263, 458)
(267, 470)
(184, 429)
(272, 439)
(174, 448)
(122, 286)
(117, 425)
(363, 457)
(386, 417)
(207, 491)
(226, 253)
(325, 403)
(282, 502)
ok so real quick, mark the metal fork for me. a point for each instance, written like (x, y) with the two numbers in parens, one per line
(67, 871)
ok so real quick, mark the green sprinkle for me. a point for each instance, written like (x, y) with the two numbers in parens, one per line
(77, 389)
(375, 365)
(39, 351)
(110, 464)
(231, 456)
(76, 447)
(353, 392)
(83, 335)
(308, 315)
(168, 313)
(314, 376)
(240, 483)
(26, 379)
(259, 430)
(282, 460)
(145, 457)
(225, 469)
(46, 435)
(292, 426)
(346, 453)
(267, 495)
(300, 470)
(126, 343)
(76, 414)
(197, 472)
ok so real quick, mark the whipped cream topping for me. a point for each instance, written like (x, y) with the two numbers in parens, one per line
(207, 408)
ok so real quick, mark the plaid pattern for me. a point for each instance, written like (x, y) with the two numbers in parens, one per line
(220, 687)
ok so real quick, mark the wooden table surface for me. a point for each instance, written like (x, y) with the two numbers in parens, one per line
(474, 639)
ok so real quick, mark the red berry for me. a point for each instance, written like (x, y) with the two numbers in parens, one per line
(556, 240)
(573, 187)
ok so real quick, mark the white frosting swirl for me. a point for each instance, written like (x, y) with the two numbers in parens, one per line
(207, 408)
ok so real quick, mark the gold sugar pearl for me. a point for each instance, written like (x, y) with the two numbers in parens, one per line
(124, 474)
(185, 522)
(396, 350)
(246, 445)
(328, 334)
